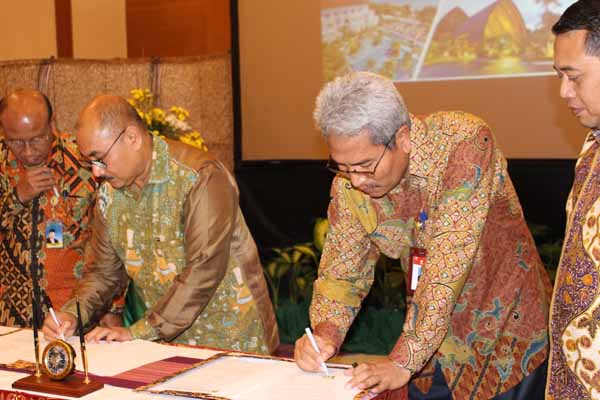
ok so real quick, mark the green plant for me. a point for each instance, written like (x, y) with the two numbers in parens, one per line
(549, 246)
(388, 290)
(290, 273)
(296, 268)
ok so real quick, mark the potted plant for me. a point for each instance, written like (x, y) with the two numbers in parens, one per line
(290, 273)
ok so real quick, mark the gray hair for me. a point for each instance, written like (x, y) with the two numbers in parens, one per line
(361, 101)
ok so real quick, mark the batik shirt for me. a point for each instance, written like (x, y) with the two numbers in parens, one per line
(59, 268)
(574, 366)
(184, 243)
(480, 308)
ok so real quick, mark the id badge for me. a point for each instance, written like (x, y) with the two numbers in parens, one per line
(417, 258)
(54, 234)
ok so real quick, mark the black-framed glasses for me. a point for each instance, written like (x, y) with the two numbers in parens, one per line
(335, 168)
(98, 162)
(38, 141)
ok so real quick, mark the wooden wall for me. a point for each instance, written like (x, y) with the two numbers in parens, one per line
(165, 28)
(99, 30)
(139, 28)
(93, 29)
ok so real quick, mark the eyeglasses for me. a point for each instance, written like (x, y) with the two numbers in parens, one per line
(98, 162)
(38, 141)
(334, 167)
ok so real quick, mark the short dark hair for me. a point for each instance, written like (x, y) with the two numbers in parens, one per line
(582, 15)
(46, 100)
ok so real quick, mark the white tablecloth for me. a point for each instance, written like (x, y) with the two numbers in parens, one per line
(109, 359)
(104, 359)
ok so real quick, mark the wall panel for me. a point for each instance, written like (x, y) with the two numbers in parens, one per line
(177, 27)
(28, 29)
(99, 28)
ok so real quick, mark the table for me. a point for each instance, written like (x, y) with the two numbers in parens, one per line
(120, 366)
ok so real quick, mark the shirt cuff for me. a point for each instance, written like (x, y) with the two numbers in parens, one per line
(403, 357)
(143, 330)
(406, 367)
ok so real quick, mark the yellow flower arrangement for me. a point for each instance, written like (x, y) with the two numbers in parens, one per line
(171, 123)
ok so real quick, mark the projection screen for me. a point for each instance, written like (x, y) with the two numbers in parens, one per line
(492, 58)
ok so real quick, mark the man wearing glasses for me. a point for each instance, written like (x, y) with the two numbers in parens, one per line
(41, 179)
(435, 193)
(167, 218)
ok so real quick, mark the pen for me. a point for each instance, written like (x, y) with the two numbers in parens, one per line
(314, 345)
(57, 322)
(82, 343)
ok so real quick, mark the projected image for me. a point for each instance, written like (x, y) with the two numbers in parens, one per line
(383, 36)
(439, 39)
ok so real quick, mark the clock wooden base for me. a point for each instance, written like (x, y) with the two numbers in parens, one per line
(72, 385)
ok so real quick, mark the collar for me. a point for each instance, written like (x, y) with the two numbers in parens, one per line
(596, 134)
(418, 162)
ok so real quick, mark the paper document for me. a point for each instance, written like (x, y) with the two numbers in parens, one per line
(243, 377)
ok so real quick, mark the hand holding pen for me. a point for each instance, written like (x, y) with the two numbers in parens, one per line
(311, 356)
(57, 322)
(311, 338)
(60, 325)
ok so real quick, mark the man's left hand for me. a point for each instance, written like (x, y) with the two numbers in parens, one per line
(117, 334)
(378, 376)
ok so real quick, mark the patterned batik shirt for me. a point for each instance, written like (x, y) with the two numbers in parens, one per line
(481, 306)
(184, 243)
(574, 366)
(59, 268)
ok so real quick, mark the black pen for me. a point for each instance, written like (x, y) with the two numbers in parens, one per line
(82, 342)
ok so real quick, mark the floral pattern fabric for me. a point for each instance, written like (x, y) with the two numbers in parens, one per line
(480, 308)
(574, 367)
(59, 268)
(184, 243)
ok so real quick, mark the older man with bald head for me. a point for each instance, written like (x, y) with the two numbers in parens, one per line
(167, 218)
(43, 189)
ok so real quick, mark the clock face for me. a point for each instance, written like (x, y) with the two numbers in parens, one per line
(58, 359)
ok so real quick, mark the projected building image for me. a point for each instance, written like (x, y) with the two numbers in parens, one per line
(439, 39)
(378, 36)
